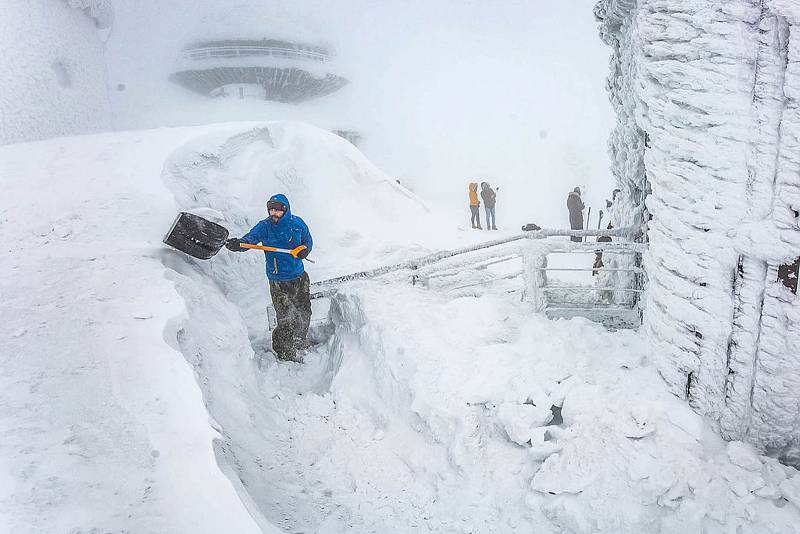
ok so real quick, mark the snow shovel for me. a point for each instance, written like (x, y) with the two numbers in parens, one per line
(202, 239)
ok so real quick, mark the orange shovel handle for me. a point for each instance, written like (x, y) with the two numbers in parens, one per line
(293, 251)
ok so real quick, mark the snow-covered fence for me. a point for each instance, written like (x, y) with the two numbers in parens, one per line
(478, 258)
(613, 298)
(326, 288)
(472, 272)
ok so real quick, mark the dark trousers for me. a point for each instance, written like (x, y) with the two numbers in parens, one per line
(576, 223)
(476, 215)
(292, 302)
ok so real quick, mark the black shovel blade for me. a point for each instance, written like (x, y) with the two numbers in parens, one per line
(196, 236)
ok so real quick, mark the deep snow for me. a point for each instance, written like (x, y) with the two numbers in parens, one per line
(425, 410)
(53, 78)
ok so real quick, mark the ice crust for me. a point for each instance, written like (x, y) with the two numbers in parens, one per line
(707, 145)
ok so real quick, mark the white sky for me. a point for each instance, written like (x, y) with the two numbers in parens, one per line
(444, 91)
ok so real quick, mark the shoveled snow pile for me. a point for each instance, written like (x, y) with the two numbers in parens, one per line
(102, 422)
(358, 216)
(423, 411)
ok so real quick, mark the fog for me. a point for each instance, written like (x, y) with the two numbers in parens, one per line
(444, 92)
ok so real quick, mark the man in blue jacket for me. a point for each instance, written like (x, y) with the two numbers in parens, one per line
(288, 282)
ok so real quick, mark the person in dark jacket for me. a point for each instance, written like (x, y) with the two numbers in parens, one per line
(288, 282)
(489, 198)
(575, 207)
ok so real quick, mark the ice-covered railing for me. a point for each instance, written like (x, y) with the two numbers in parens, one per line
(328, 287)
(613, 297)
(214, 52)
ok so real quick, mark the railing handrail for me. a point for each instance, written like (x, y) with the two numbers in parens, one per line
(328, 287)
(590, 288)
(627, 232)
(206, 52)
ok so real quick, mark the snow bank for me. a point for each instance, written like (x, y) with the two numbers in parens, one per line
(103, 425)
(352, 208)
(53, 69)
(477, 388)
(706, 145)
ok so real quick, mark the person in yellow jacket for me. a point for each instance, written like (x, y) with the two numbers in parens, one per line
(474, 205)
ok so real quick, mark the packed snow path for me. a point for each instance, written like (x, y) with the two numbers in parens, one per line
(423, 412)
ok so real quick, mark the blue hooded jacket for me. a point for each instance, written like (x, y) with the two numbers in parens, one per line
(289, 232)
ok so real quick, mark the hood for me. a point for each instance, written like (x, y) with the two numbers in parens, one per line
(473, 186)
(282, 198)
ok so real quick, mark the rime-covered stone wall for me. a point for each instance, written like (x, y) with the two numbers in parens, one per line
(52, 71)
(707, 153)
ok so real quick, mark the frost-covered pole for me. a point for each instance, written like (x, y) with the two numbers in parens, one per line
(534, 261)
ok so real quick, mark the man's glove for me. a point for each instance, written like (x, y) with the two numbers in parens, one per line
(233, 244)
(303, 254)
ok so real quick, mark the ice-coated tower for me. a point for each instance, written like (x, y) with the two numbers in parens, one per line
(705, 152)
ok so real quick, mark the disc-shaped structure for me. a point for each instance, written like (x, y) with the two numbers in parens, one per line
(284, 71)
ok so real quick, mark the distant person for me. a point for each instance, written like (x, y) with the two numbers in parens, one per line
(489, 197)
(475, 205)
(289, 286)
(575, 207)
(598, 254)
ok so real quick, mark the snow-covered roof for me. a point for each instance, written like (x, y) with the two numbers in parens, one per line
(254, 21)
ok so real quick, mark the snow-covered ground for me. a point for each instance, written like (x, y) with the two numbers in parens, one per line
(136, 394)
